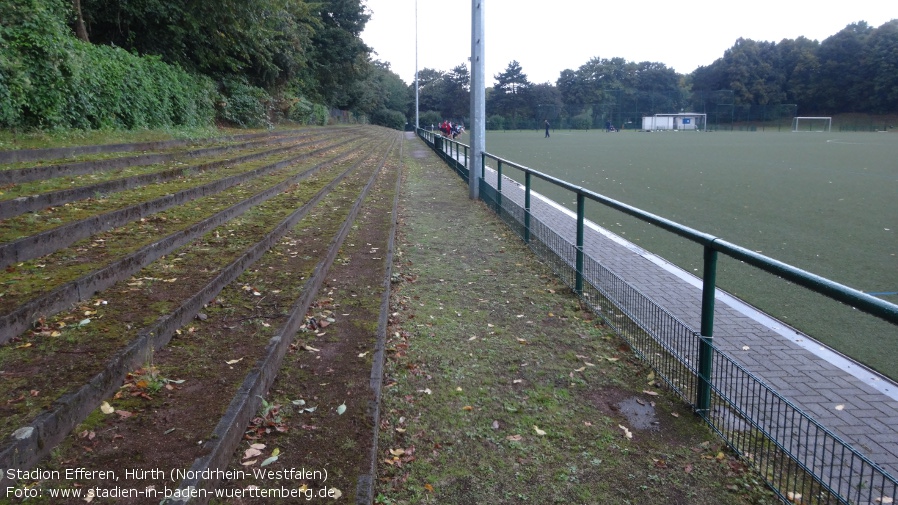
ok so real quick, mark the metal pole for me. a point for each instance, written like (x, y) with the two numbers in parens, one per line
(416, 66)
(527, 207)
(478, 98)
(581, 212)
(705, 349)
(499, 187)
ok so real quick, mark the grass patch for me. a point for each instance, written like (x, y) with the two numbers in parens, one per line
(499, 388)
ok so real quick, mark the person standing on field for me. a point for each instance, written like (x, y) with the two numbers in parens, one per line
(547, 128)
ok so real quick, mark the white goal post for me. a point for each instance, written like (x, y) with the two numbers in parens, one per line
(812, 124)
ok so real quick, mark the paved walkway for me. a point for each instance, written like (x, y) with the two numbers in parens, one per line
(807, 373)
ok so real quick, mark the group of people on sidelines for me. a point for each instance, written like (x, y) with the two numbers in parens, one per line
(450, 129)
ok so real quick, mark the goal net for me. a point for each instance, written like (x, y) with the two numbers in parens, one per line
(812, 124)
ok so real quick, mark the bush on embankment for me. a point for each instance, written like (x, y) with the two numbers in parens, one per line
(51, 80)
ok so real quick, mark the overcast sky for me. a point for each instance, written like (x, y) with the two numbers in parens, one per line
(546, 37)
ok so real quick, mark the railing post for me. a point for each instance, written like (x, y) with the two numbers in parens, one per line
(581, 204)
(526, 207)
(705, 350)
(499, 187)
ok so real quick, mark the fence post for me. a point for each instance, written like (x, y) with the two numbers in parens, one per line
(705, 350)
(498, 187)
(581, 203)
(482, 170)
(526, 207)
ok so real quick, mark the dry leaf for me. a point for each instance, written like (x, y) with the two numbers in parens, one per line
(428, 487)
(397, 452)
(794, 497)
(233, 361)
(627, 432)
(650, 393)
(514, 438)
(467, 407)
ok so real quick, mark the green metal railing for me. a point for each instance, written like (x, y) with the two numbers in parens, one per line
(788, 447)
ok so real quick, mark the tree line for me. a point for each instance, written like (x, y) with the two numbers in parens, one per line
(855, 70)
(159, 63)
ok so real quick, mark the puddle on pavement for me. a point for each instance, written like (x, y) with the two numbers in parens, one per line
(639, 413)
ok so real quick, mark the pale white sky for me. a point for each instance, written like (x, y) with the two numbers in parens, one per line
(546, 37)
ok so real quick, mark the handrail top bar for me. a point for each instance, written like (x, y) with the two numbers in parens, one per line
(858, 299)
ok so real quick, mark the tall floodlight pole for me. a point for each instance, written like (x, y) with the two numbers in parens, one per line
(478, 99)
(416, 66)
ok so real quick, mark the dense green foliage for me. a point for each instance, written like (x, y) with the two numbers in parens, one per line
(52, 80)
(162, 63)
(855, 70)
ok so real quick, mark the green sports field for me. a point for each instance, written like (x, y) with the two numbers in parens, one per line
(824, 202)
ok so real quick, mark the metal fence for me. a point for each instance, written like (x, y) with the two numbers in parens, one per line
(801, 460)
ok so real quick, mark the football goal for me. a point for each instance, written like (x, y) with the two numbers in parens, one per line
(812, 124)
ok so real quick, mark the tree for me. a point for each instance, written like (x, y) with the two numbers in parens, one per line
(800, 67)
(266, 41)
(842, 82)
(545, 102)
(337, 55)
(881, 68)
(510, 94)
(457, 91)
(80, 29)
(431, 91)
(383, 96)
